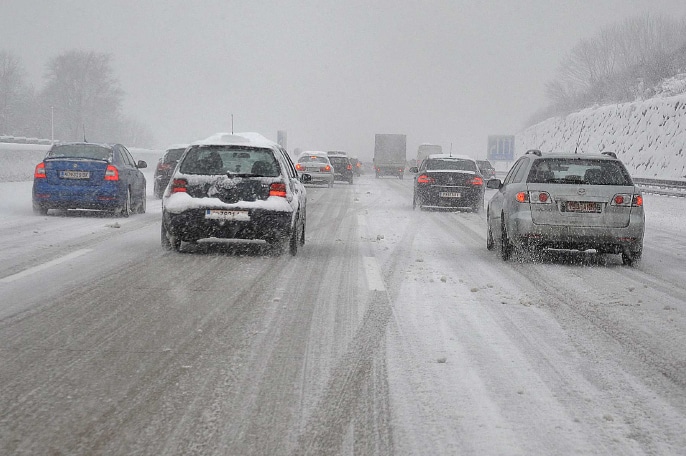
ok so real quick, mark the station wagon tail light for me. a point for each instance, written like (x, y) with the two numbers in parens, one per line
(277, 189)
(179, 186)
(111, 173)
(626, 200)
(39, 173)
(299, 167)
(424, 179)
(476, 181)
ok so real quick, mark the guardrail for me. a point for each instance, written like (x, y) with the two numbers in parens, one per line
(662, 187)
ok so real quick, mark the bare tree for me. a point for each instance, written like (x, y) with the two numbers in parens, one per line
(85, 96)
(15, 95)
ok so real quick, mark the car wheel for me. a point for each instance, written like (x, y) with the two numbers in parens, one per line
(39, 210)
(490, 243)
(169, 242)
(142, 207)
(631, 258)
(506, 246)
(331, 184)
(294, 241)
(414, 201)
(400, 176)
(302, 234)
(125, 209)
(157, 191)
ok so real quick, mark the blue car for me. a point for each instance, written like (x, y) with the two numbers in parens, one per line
(89, 176)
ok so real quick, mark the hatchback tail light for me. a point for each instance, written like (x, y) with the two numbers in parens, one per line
(179, 186)
(299, 167)
(325, 169)
(424, 179)
(111, 173)
(627, 200)
(277, 189)
(39, 172)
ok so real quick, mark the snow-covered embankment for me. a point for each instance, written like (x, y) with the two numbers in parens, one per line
(648, 136)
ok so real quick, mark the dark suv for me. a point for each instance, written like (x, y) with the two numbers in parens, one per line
(235, 186)
(448, 181)
(486, 168)
(342, 167)
(165, 168)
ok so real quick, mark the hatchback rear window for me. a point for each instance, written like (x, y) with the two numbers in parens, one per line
(312, 159)
(91, 151)
(230, 160)
(173, 155)
(450, 164)
(579, 171)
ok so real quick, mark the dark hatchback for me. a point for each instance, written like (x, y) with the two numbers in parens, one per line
(89, 176)
(342, 168)
(448, 181)
(235, 187)
(165, 168)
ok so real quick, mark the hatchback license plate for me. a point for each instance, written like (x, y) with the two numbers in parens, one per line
(221, 214)
(582, 206)
(450, 195)
(75, 174)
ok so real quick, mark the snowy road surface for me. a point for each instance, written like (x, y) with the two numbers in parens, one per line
(392, 332)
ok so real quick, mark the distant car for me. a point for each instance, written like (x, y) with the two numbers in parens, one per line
(357, 166)
(89, 176)
(237, 187)
(448, 181)
(165, 168)
(567, 201)
(318, 166)
(487, 170)
(342, 168)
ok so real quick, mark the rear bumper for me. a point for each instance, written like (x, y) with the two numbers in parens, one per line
(108, 196)
(191, 225)
(319, 178)
(609, 239)
(430, 196)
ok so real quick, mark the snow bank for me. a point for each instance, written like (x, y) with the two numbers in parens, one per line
(648, 136)
(18, 161)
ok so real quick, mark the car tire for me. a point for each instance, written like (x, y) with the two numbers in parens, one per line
(142, 207)
(125, 209)
(506, 247)
(302, 234)
(169, 244)
(293, 241)
(490, 242)
(331, 184)
(632, 258)
(400, 176)
(414, 202)
(39, 210)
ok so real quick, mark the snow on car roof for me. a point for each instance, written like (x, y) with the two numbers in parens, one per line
(448, 156)
(236, 139)
(318, 153)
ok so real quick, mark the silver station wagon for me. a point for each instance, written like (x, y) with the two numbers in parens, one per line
(567, 201)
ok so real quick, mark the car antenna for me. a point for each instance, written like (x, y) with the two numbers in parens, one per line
(451, 149)
(84, 133)
(579, 138)
(231, 123)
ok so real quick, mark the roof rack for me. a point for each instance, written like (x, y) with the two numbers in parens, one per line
(534, 152)
(609, 154)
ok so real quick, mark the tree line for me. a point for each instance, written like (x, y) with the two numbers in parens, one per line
(81, 98)
(623, 62)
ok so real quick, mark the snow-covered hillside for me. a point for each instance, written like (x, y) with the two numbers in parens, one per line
(648, 136)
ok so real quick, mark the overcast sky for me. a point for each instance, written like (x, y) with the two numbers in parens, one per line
(329, 73)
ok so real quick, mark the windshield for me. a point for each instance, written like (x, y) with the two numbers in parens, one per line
(231, 160)
(578, 171)
(91, 151)
(450, 164)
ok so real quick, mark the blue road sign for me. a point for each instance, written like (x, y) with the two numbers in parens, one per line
(501, 147)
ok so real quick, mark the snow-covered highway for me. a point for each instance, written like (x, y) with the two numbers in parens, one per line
(392, 332)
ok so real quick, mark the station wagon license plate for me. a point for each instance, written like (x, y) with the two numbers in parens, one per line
(222, 214)
(67, 174)
(450, 195)
(582, 206)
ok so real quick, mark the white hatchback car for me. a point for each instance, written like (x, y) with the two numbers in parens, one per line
(317, 165)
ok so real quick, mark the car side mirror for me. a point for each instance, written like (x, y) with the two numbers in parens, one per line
(141, 164)
(494, 183)
(414, 169)
(305, 178)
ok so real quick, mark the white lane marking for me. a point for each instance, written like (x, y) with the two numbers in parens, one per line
(40, 267)
(374, 278)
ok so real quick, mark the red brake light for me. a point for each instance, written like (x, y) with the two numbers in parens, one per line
(522, 197)
(424, 179)
(476, 181)
(179, 186)
(111, 173)
(277, 189)
(543, 197)
(39, 172)
(299, 167)
(637, 201)
(349, 167)
(326, 169)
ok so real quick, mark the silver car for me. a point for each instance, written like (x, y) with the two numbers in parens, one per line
(567, 201)
(317, 165)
